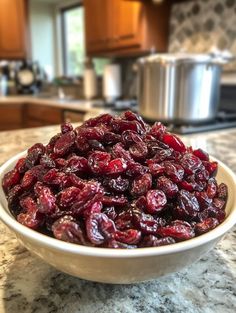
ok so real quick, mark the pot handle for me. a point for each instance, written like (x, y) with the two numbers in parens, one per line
(222, 58)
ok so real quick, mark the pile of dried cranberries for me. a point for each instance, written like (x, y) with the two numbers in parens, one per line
(116, 182)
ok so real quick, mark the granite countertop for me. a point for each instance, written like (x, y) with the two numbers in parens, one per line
(29, 285)
(71, 104)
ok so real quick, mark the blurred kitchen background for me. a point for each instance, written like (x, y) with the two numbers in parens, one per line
(63, 60)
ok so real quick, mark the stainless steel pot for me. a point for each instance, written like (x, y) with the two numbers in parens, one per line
(179, 87)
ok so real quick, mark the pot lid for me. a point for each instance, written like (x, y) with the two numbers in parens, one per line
(178, 58)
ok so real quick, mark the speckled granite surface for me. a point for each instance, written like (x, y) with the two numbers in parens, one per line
(29, 285)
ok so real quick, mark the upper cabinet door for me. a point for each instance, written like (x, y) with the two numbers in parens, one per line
(97, 24)
(128, 19)
(13, 29)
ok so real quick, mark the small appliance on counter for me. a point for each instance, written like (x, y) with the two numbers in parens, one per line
(28, 77)
(112, 82)
(90, 80)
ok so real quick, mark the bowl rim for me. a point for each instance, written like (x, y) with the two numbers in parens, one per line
(55, 244)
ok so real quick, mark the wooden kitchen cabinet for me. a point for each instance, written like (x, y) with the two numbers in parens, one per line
(11, 116)
(98, 30)
(36, 115)
(122, 27)
(14, 39)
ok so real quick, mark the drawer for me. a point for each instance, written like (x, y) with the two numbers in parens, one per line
(43, 113)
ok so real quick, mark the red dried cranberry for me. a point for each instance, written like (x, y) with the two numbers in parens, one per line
(190, 163)
(201, 154)
(138, 151)
(124, 220)
(68, 229)
(153, 241)
(116, 166)
(211, 188)
(158, 130)
(188, 203)
(130, 137)
(174, 171)
(156, 201)
(77, 164)
(31, 217)
(147, 223)
(206, 225)
(222, 191)
(10, 179)
(119, 201)
(99, 228)
(118, 151)
(98, 162)
(110, 138)
(174, 142)
(68, 196)
(129, 236)
(66, 127)
(135, 169)
(141, 185)
(118, 184)
(178, 229)
(64, 143)
(155, 168)
(211, 167)
(167, 186)
(46, 201)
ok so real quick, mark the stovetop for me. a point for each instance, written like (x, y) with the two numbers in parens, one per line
(223, 120)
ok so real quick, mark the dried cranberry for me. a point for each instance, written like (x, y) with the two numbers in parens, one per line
(190, 163)
(119, 201)
(118, 184)
(153, 241)
(169, 188)
(77, 164)
(99, 228)
(10, 179)
(64, 143)
(98, 161)
(129, 236)
(130, 137)
(141, 185)
(147, 223)
(178, 229)
(68, 229)
(138, 151)
(201, 154)
(68, 196)
(206, 225)
(188, 203)
(66, 127)
(46, 201)
(158, 130)
(174, 142)
(156, 201)
(155, 168)
(174, 171)
(222, 191)
(116, 166)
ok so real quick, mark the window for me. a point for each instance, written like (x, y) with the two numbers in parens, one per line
(73, 42)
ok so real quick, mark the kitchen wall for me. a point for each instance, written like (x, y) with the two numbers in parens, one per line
(202, 26)
(43, 35)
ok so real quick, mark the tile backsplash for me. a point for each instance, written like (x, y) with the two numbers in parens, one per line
(203, 26)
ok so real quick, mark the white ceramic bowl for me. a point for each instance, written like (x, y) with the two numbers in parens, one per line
(118, 265)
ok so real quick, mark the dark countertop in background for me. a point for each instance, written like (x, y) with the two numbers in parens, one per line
(29, 285)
